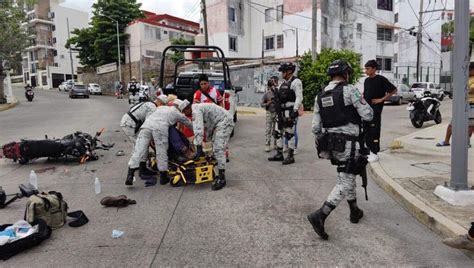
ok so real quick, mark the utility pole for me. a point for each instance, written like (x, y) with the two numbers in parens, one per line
(314, 28)
(48, 79)
(419, 41)
(204, 16)
(141, 66)
(263, 44)
(297, 54)
(460, 105)
(70, 51)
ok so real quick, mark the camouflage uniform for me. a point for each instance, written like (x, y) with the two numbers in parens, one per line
(345, 184)
(157, 126)
(140, 112)
(297, 87)
(267, 103)
(133, 97)
(218, 124)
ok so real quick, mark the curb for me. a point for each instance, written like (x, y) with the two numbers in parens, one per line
(433, 219)
(10, 105)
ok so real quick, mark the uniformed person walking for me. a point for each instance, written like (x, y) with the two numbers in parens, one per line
(289, 98)
(218, 124)
(133, 88)
(338, 112)
(157, 126)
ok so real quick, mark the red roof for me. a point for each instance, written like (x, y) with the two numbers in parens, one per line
(157, 19)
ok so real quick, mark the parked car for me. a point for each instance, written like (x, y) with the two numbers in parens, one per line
(79, 90)
(62, 86)
(94, 89)
(420, 87)
(404, 94)
(69, 85)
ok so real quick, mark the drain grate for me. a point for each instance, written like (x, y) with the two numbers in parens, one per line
(438, 168)
(424, 184)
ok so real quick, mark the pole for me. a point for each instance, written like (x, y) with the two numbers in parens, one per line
(70, 52)
(263, 44)
(204, 16)
(8, 91)
(48, 80)
(419, 41)
(129, 62)
(460, 105)
(118, 51)
(314, 28)
(141, 66)
(297, 54)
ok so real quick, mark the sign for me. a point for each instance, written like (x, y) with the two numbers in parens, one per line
(107, 68)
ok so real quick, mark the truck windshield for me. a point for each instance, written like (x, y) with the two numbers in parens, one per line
(418, 85)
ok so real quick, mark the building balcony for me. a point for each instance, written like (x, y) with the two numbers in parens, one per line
(39, 46)
(40, 21)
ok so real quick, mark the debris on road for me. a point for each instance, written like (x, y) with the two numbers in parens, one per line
(117, 201)
(43, 170)
(117, 233)
(120, 153)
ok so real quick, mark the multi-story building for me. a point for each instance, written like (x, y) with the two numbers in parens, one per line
(46, 61)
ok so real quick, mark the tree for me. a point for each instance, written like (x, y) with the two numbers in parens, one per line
(448, 29)
(178, 55)
(313, 74)
(13, 37)
(97, 45)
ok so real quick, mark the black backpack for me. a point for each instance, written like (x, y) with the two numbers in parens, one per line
(11, 249)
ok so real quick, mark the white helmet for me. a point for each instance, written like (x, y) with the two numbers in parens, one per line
(163, 98)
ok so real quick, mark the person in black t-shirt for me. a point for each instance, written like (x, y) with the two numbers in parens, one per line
(377, 89)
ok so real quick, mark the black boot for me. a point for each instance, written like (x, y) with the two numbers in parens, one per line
(130, 176)
(144, 171)
(278, 156)
(289, 159)
(164, 179)
(219, 182)
(318, 218)
(356, 212)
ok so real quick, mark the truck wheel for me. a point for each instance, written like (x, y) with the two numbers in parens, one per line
(400, 101)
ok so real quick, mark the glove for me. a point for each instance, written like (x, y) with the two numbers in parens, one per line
(199, 152)
(294, 114)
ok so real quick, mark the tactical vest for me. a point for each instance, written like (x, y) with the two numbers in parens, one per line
(333, 111)
(285, 92)
(133, 88)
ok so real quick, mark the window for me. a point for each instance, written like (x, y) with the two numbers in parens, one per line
(232, 14)
(148, 32)
(395, 58)
(152, 54)
(232, 43)
(173, 35)
(385, 4)
(396, 18)
(55, 52)
(384, 34)
(395, 37)
(325, 25)
(280, 13)
(53, 28)
(269, 43)
(450, 16)
(341, 31)
(158, 33)
(325, 6)
(165, 32)
(54, 40)
(280, 41)
(385, 63)
(268, 14)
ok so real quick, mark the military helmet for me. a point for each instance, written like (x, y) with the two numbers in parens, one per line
(287, 66)
(339, 67)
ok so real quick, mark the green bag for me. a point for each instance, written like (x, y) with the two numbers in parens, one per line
(49, 207)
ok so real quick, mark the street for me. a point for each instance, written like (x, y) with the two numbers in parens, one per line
(258, 219)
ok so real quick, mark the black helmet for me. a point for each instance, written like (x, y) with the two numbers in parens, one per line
(287, 66)
(339, 67)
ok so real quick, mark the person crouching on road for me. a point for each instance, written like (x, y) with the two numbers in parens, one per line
(338, 112)
(156, 127)
(218, 124)
(268, 104)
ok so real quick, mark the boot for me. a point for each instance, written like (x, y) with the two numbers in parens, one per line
(143, 171)
(318, 218)
(130, 176)
(289, 159)
(356, 212)
(164, 179)
(278, 156)
(219, 182)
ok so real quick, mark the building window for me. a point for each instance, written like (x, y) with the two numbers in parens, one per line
(268, 14)
(385, 4)
(450, 16)
(384, 34)
(385, 63)
(232, 14)
(53, 28)
(280, 12)
(55, 52)
(325, 6)
(325, 25)
(165, 32)
(269, 43)
(158, 33)
(173, 35)
(395, 58)
(359, 30)
(395, 38)
(54, 40)
(148, 32)
(396, 18)
(232, 43)
(341, 31)
(280, 41)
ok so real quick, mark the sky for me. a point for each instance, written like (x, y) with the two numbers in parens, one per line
(188, 9)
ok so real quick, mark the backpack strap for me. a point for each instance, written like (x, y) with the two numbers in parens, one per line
(208, 96)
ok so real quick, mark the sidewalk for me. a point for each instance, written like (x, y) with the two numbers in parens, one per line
(7, 106)
(411, 173)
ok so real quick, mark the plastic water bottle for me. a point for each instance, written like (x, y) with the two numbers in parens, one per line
(34, 179)
(97, 186)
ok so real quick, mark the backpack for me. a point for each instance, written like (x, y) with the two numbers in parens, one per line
(49, 207)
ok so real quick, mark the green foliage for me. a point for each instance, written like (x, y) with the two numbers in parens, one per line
(448, 28)
(97, 44)
(177, 54)
(313, 73)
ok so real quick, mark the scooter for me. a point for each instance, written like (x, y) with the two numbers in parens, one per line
(424, 109)
(29, 94)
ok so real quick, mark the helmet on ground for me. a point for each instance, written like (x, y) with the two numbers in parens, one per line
(339, 67)
(287, 66)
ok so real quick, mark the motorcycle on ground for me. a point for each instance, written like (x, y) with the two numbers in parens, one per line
(29, 94)
(424, 109)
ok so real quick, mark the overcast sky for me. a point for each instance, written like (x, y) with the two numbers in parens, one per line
(188, 9)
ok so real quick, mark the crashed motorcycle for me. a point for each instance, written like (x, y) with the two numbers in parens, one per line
(29, 94)
(424, 109)
(78, 145)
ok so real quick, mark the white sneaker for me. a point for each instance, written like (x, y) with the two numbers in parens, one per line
(372, 157)
(295, 152)
(267, 148)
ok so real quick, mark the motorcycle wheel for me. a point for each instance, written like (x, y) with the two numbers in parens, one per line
(417, 121)
(438, 119)
(441, 97)
(22, 161)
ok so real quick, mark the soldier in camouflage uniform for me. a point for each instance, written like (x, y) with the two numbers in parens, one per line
(218, 124)
(338, 111)
(133, 88)
(156, 127)
(268, 104)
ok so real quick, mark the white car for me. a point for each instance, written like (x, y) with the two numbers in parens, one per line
(62, 86)
(419, 89)
(94, 89)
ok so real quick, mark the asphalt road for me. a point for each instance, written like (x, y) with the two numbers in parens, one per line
(258, 219)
